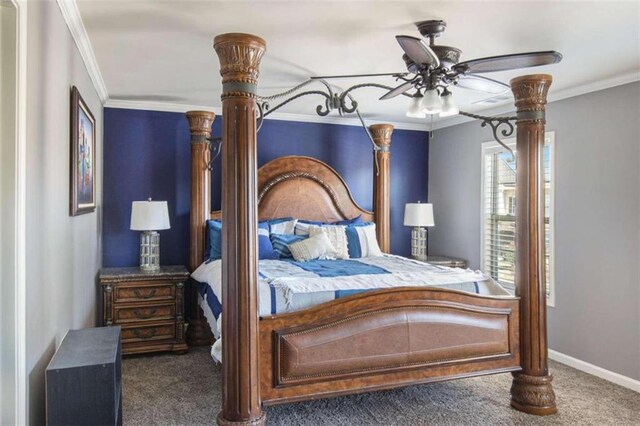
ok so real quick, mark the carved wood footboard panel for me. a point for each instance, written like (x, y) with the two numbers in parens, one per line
(384, 339)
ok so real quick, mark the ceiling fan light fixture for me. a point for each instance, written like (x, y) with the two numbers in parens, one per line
(431, 102)
(415, 107)
(449, 106)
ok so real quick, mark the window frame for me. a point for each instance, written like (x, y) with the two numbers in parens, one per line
(491, 147)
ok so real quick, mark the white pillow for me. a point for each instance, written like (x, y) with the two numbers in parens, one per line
(288, 227)
(337, 236)
(365, 241)
(303, 228)
(316, 247)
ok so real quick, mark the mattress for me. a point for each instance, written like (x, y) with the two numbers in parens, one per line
(289, 286)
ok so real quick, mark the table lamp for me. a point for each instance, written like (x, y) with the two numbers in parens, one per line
(149, 217)
(418, 215)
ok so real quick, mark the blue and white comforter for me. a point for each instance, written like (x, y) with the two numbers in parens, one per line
(287, 285)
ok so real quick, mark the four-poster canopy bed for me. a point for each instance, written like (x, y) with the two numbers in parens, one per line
(430, 334)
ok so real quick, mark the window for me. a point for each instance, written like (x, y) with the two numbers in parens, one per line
(499, 208)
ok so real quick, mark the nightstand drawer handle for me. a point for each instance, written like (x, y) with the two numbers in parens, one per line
(145, 334)
(140, 315)
(147, 295)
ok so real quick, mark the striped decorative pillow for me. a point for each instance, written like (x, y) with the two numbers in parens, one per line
(281, 243)
(265, 248)
(362, 241)
(213, 250)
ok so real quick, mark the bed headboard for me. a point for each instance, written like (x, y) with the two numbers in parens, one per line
(295, 186)
(304, 188)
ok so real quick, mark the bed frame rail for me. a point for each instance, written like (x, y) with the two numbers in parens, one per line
(385, 339)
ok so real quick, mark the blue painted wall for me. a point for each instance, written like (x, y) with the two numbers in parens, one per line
(147, 154)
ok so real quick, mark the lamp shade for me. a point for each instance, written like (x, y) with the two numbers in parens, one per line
(418, 214)
(149, 216)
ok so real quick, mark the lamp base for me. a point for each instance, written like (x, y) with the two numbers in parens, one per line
(419, 243)
(149, 251)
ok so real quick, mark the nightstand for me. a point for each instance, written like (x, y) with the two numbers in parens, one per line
(149, 306)
(451, 262)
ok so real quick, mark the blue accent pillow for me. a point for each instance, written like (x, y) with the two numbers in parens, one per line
(302, 227)
(214, 248)
(354, 221)
(278, 220)
(281, 243)
(265, 248)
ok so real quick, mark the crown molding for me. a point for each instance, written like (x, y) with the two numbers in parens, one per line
(160, 106)
(559, 95)
(72, 17)
(346, 121)
(283, 116)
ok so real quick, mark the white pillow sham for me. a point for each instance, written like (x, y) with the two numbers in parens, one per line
(287, 227)
(315, 247)
(337, 236)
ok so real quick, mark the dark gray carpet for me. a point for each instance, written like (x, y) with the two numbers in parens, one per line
(185, 390)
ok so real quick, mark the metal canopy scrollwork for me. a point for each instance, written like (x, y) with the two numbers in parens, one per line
(215, 148)
(344, 103)
(495, 123)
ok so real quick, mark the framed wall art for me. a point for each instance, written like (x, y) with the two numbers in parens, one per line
(83, 156)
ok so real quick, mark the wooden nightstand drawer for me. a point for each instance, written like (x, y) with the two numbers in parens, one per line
(150, 332)
(144, 292)
(125, 314)
(148, 305)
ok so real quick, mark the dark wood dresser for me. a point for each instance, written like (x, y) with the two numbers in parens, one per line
(149, 306)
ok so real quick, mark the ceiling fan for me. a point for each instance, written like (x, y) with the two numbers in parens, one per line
(432, 69)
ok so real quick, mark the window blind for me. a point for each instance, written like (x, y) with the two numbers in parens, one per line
(499, 209)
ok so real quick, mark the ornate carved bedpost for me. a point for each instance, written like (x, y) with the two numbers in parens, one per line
(240, 56)
(198, 332)
(531, 391)
(381, 134)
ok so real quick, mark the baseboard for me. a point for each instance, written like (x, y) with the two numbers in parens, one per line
(594, 370)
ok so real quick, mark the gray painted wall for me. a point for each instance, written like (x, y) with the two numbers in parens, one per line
(597, 220)
(8, 86)
(63, 252)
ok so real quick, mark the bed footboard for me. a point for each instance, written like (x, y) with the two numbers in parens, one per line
(384, 339)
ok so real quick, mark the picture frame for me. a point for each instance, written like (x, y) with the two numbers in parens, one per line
(83, 157)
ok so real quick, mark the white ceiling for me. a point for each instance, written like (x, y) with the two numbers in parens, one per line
(161, 51)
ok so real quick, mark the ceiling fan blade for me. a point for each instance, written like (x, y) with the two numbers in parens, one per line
(482, 84)
(397, 91)
(418, 50)
(326, 77)
(508, 62)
